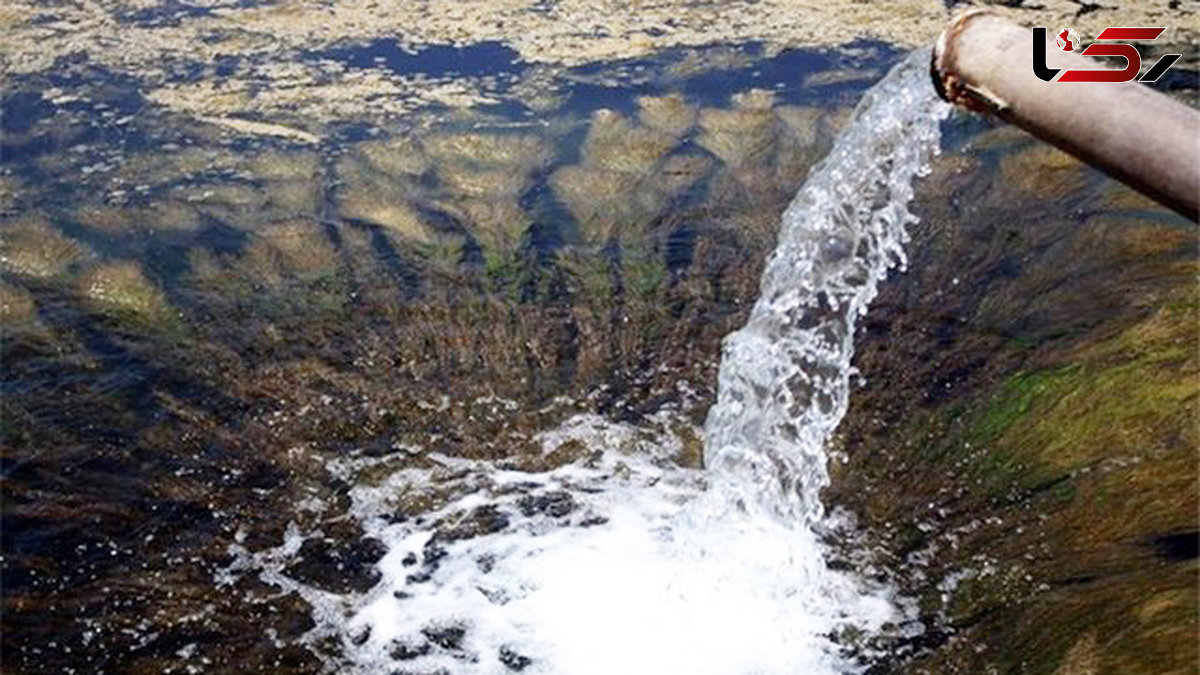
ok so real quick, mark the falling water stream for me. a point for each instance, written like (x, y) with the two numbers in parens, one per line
(622, 562)
(785, 377)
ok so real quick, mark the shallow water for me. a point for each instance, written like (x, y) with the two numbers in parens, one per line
(247, 372)
(624, 563)
(260, 355)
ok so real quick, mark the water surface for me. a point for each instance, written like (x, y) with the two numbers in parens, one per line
(268, 389)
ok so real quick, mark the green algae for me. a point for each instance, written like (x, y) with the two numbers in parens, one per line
(1080, 466)
(1102, 448)
(1027, 437)
(628, 175)
(126, 220)
(348, 292)
(32, 247)
(1118, 397)
(121, 292)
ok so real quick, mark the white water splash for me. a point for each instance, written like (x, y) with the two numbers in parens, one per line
(785, 377)
(622, 562)
(615, 578)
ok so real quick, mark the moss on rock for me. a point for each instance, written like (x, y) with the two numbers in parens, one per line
(32, 247)
(1034, 417)
(17, 308)
(121, 291)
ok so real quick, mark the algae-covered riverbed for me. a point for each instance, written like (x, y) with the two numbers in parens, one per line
(315, 316)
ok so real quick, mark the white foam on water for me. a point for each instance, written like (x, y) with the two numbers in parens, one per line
(645, 567)
(644, 591)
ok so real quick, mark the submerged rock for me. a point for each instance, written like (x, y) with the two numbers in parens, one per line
(121, 290)
(30, 246)
(17, 308)
(555, 504)
(481, 521)
(338, 566)
(613, 143)
(742, 134)
(125, 219)
(376, 198)
(293, 249)
(670, 114)
(447, 637)
(399, 156)
(513, 660)
(1044, 170)
(402, 650)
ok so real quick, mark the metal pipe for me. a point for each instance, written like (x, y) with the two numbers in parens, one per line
(1135, 134)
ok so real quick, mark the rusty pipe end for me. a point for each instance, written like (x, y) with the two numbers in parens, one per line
(984, 62)
(942, 66)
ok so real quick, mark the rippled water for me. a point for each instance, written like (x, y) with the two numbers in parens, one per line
(426, 388)
(624, 562)
(255, 388)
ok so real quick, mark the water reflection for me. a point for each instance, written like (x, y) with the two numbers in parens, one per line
(197, 319)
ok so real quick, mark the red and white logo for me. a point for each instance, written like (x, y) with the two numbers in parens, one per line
(1067, 39)
(1112, 41)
